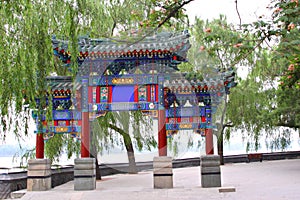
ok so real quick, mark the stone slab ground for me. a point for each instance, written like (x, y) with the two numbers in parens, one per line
(257, 180)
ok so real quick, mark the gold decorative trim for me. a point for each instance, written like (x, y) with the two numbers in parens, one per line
(122, 81)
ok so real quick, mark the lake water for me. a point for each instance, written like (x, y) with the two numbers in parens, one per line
(236, 145)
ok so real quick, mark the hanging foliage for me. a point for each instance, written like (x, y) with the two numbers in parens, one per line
(26, 29)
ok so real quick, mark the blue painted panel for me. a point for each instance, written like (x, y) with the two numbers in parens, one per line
(62, 115)
(66, 115)
(124, 93)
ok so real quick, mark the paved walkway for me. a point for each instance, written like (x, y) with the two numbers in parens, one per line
(266, 180)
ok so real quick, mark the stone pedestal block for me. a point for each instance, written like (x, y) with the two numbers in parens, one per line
(39, 175)
(85, 174)
(162, 172)
(210, 171)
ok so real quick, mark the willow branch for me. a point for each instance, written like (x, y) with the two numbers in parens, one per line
(113, 27)
(171, 14)
(237, 10)
(223, 115)
(229, 124)
(249, 52)
(221, 61)
(117, 129)
(287, 125)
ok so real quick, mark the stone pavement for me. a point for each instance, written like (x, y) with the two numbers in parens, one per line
(266, 180)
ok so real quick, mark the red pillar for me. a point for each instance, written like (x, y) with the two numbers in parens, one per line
(85, 136)
(39, 148)
(162, 136)
(209, 144)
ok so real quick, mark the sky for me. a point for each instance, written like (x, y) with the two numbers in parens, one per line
(249, 10)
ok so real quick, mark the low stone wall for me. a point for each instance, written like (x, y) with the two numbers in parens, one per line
(62, 175)
(18, 180)
(12, 182)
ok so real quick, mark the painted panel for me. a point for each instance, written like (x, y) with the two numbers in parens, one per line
(142, 93)
(103, 94)
(123, 93)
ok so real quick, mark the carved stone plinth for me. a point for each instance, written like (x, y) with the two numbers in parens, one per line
(162, 172)
(84, 174)
(39, 175)
(210, 171)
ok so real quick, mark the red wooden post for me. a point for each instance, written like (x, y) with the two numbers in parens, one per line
(85, 136)
(86, 98)
(39, 148)
(209, 144)
(162, 136)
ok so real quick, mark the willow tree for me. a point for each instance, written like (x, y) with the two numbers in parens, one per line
(26, 29)
(217, 48)
(269, 97)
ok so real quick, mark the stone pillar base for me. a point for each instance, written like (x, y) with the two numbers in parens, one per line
(210, 171)
(162, 172)
(84, 174)
(39, 175)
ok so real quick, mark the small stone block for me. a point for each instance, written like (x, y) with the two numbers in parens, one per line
(164, 182)
(227, 189)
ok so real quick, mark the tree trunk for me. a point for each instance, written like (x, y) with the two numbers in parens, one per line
(129, 148)
(130, 153)
(221, 135)
(220, 148)
(98, 172)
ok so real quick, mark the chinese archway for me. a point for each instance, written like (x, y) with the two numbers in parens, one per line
(142, 76)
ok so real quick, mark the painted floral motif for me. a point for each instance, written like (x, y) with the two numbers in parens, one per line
(103, 94)
(142, 91)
